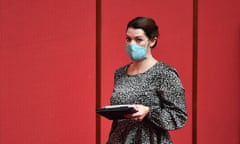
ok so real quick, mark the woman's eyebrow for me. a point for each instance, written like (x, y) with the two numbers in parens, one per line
(138, 36)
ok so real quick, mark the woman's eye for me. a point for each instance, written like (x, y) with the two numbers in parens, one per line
(138, 40)
(128, 39)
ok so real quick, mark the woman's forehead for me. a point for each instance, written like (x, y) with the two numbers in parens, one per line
(135, 32)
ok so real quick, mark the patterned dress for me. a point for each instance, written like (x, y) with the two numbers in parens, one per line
(158, 88)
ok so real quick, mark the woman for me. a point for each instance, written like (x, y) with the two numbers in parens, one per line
(153, 87)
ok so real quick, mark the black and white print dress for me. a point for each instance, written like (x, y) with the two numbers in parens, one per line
(158, 88)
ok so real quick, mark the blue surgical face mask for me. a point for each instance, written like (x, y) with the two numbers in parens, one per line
(136, 52)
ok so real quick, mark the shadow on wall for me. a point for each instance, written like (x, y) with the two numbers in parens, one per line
(239, 42)
(238, 51)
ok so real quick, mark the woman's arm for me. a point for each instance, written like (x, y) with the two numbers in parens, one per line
(171, 113)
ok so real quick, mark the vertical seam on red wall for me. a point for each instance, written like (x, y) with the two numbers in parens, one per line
(195, 71)
(98, 69)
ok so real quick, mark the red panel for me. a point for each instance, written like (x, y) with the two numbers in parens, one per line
(45, 81)
(175, 46)
(219, 69)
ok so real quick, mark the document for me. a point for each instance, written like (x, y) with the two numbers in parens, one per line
(113, 112)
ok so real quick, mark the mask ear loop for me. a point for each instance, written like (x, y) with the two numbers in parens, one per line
(148, 44)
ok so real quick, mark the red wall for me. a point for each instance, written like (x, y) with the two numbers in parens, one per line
(48, 66)
(174, 47)
(218, 72)
(45, 82)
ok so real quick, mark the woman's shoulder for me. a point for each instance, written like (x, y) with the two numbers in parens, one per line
(122, 69)
(166, 68)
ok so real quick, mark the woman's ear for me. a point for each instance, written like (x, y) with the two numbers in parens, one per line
(153, 42)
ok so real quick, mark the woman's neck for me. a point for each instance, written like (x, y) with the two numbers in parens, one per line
(142, 66)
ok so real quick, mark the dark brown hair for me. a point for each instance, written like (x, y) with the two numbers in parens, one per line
(147, 24)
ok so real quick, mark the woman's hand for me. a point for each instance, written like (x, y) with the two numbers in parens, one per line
(142, 111)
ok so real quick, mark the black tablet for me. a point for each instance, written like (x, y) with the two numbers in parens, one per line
(113, 112)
